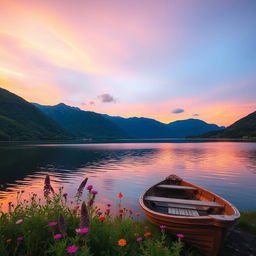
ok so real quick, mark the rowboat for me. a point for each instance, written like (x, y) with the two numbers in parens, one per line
(200, 215)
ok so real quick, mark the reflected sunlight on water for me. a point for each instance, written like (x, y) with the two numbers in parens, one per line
(226, 168)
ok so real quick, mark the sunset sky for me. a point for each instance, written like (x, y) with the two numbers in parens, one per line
(161, 59)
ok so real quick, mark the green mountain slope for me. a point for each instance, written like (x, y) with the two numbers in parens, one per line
(20, 120)
(84, 124)
(243, 128)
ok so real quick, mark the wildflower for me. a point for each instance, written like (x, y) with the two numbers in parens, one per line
(8, 240)
(108, 205)
(180, 235)
(130, 211)
(162, 226)
(72, 249)
(65, 195)
(137, 213)
(62, 224)
(120, 195)
(122, 242)
(52, 224)
(136, 234)
(20, 238)
(121, 211)
(47, 186)
(84, 219)
(107, 211)
(57, 236)
(82, 230)
(99, 213)
(90, 187)
(19, 221)
(147, 234)
(81, 188)
(139, 239)
(102, 218)
(94, 192)
(146, 227)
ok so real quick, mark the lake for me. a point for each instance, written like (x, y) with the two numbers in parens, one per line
(225, 168)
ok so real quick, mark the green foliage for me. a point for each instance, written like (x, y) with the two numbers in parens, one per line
(248, 222)
(29, 220)
(20, 120)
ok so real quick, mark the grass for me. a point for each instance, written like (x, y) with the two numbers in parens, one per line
(248, 222)
(52, 226)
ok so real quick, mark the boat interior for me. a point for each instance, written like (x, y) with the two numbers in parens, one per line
(176, 197)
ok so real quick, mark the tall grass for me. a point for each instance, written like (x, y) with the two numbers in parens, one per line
(51, 226)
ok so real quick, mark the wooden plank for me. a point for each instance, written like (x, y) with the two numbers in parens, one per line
(177, 187)
(184, 206)
(183, 212)
(183, 201)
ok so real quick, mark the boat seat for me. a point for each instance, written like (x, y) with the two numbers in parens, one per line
(183, 201)
(176, 187)
(183, 212)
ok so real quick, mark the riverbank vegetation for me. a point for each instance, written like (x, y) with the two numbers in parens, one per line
(54, 225)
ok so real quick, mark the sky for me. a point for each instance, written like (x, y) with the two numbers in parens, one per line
(162, 59)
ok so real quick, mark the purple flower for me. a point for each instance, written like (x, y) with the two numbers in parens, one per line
(81, 188)
(47, 186)
(180, 235)
(139, 239)
(72, 249)
(57, 236)
(52, 224)
(84, 218)
(82, 230)
(20, 238)
(162, 226)
(94, 192)
(90, 187)
(108, 205)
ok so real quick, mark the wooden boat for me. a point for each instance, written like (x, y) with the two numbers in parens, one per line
(201, 216)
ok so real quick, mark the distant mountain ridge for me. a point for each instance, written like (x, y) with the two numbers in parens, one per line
(84, 124)
(243, 128)
(20, 120)
(140, 127)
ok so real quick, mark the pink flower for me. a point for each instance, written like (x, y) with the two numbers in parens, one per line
(57, 236)
(162, 226)
(90, 187)
(72, 249)
(94, 192)
(19, 221)
(107, 211)
(108, 205)
(139, 239)
(52, 224)
(65, 194)
(82, 230)
(20, 238)
(180, 235)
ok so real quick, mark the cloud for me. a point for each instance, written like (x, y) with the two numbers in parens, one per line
(177, 110)
(106, 98)
(195, 114)
(92, 103)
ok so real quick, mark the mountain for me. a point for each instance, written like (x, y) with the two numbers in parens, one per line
(150, 128)
(20, 120)
(243, 128)
(191, 127)
(140, 127)
(84, 124)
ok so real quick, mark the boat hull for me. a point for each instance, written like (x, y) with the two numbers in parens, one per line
(206, 233)
(200, 233)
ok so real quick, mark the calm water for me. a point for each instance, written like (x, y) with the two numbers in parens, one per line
(226, 168)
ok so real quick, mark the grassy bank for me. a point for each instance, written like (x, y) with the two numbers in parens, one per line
(248, 222)
(55, 226)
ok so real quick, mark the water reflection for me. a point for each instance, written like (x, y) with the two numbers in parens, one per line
(226, 168)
